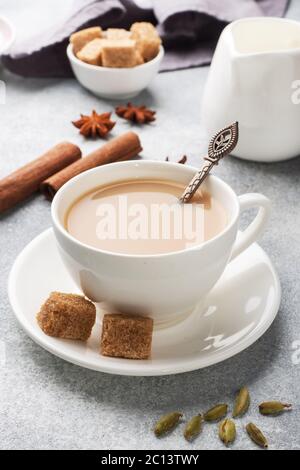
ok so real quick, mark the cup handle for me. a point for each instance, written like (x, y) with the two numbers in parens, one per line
(253, 231)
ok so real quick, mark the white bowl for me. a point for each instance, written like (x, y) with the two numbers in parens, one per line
(115, 83)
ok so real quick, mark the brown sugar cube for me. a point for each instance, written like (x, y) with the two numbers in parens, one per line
(67, 316)
(149, 48)
(139, 59)
(91, 53)
(147, 39)
(127, 336)
(117, 33)
(119, 53)
(81, 38)
(144, 28)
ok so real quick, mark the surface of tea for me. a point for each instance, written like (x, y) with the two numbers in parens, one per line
(144, 217)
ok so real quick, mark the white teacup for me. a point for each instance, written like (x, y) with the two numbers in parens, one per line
(165, 286)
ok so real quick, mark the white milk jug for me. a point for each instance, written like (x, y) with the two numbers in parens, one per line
(255, 79)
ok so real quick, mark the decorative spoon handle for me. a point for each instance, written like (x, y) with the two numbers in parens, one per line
(220, 145)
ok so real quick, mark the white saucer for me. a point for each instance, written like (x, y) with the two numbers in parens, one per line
(237, 312)
(7, 34)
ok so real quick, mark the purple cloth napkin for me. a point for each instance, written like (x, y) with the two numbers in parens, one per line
(189, 28)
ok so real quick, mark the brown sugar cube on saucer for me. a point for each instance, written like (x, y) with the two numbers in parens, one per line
(117, 33)
(81, 38)
(67, 316)
(147, 39)
(91, 52)
(119, 53)
(127, 336)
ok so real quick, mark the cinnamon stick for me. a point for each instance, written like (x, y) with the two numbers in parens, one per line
(120, 148)
(25, 181)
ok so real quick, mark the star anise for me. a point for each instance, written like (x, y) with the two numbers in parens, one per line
(94, 125)
(138, 114)
(183, 160)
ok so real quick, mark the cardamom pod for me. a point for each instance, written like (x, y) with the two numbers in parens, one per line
(242, 403)
(216, 413)
(274, 408)
(166, 423)
(193, 428)
(257, 436)
(227, 431)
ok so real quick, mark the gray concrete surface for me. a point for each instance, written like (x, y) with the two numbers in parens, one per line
(46, 403)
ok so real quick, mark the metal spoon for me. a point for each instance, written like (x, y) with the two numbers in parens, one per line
(221, 144)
